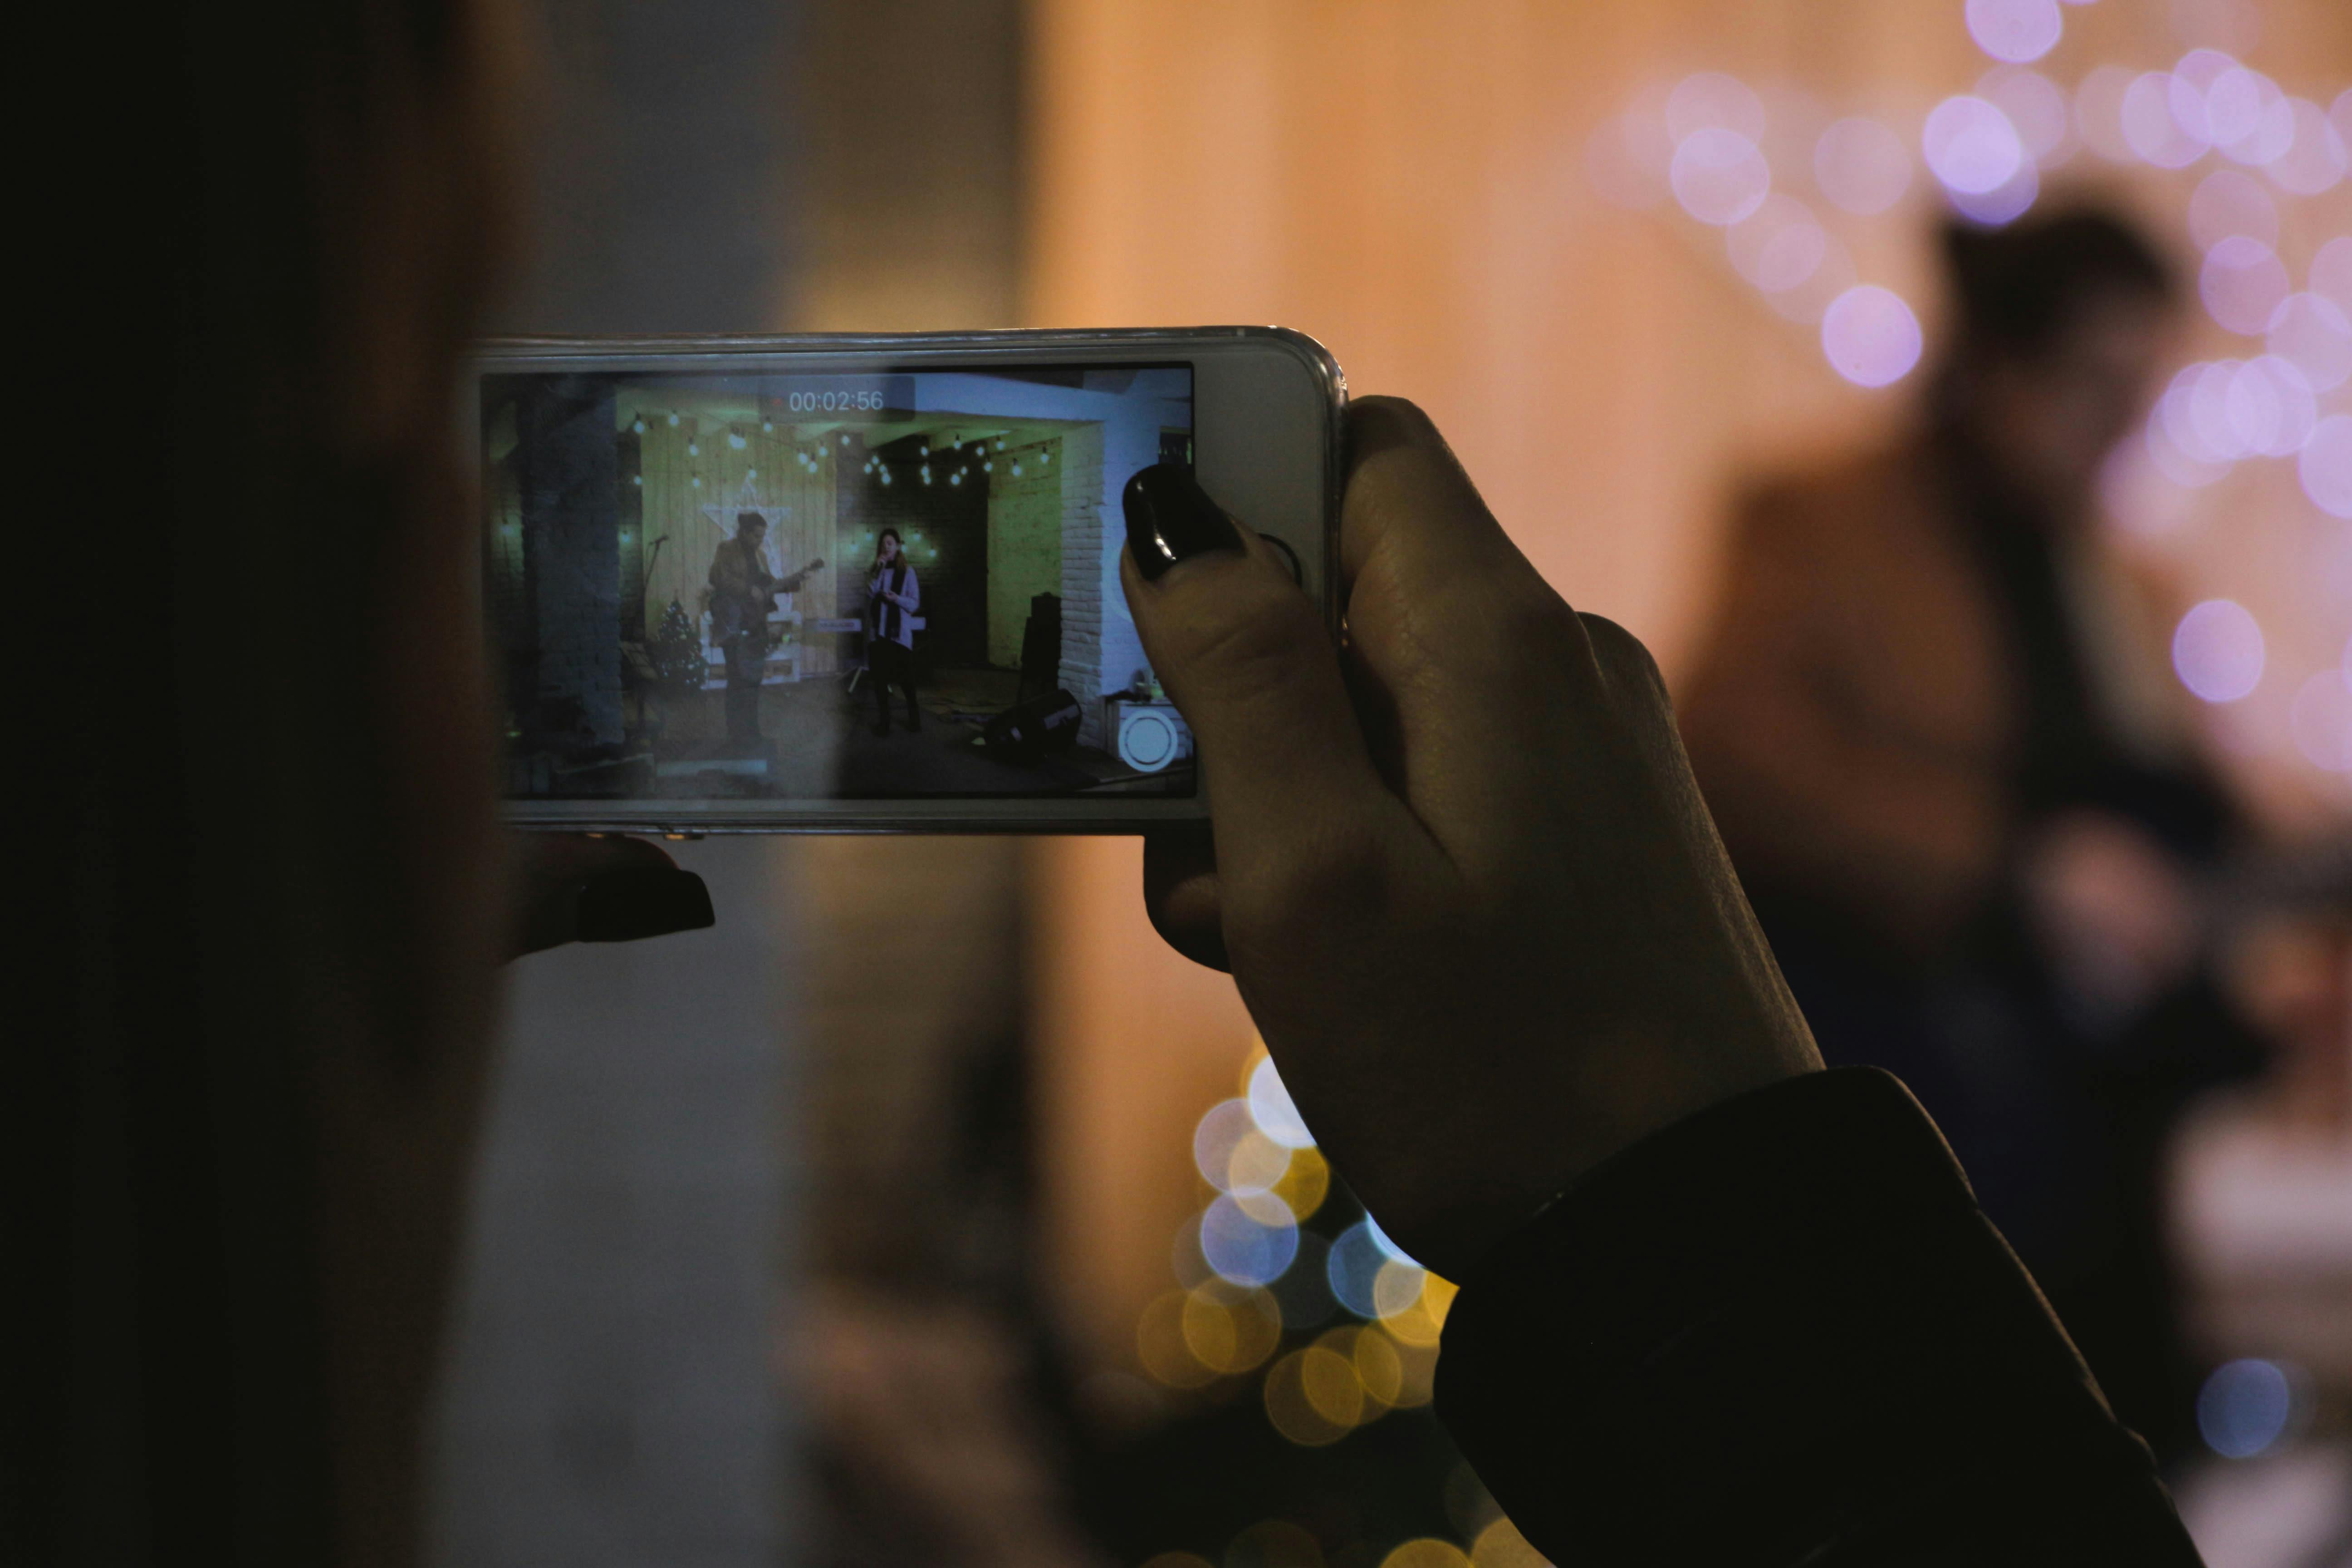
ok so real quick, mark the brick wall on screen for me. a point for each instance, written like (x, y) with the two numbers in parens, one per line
(1082, 572)
(1025, 542)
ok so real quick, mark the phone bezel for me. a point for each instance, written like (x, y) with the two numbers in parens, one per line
(1234, 371)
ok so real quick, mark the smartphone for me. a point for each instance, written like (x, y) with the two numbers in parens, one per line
(864, 584)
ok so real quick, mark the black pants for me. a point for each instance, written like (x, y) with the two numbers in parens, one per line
(892, 664)
(747, 666)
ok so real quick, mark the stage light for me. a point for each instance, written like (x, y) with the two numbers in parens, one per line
(1016, 471)
(767, 426)
(988, 468)
(637, 480)
(956, 478)
(999, 443)
(673, 420)
(693, 449)
(735, 441)
(1044, 457)
(844, 440)
(638, 427)
(698, 481)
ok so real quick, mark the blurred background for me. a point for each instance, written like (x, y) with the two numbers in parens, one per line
(930, 1211)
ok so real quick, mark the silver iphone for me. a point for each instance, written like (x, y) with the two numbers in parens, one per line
(864, 584)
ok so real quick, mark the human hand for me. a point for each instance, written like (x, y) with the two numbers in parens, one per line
(1461, 873)
(577, 887)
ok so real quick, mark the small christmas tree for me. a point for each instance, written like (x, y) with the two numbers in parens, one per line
(676, 651)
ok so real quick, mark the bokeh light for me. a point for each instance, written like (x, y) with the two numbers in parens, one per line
(1353, 1267)
(2151, 129)
(1271, 1108)
(1500, 1546)
(1421, 1321)
(1230, 1331)
(1719, 176)
(2248, 117)
(2217, 651)
(2321, 722)
(2246, 1407)
(1627, 156)
(1312, 1397)
(1305, 1183)
(1870, 336)
(1161, 1345)
(2243, 283)
(2036, 106)
(1970, 146)
(2006, 204)
(1860, 166)
(2228, 203)
(1428, 1552)
(1713, 100)
(1240, 1248)
(1274, 1543)
(1832, 276)
(2331, 272)
(2314, 160)
(1778, 247)
(2269, 407)
(2015, 30)
(2099, 112)
(2325, 466)
(1220, 1132)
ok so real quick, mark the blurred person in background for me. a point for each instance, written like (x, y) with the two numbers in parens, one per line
(1935, 722)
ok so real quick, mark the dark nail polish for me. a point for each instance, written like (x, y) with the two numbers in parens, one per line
(1170, 518)
(625, 906)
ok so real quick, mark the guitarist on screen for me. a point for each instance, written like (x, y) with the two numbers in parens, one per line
(743, 591)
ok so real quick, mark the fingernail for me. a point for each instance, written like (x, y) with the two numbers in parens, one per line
(1170, 518)
(626, 906)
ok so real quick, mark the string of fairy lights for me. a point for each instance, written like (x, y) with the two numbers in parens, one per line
(956, 460)
(2257, 173)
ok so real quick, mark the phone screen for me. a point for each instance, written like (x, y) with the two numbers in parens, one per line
(870, 585)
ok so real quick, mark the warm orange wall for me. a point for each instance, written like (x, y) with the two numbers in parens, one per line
(1405, 180)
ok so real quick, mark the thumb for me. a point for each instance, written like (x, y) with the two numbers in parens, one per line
(1251, 667)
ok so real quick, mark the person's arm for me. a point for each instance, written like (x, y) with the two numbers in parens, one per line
(1805, 763)
(1780, 1331)
(1470, 896)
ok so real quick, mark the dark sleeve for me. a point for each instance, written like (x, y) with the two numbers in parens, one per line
(1781, 1333)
